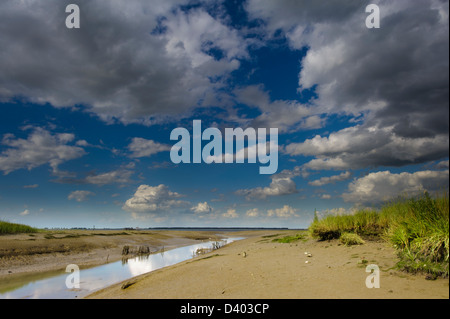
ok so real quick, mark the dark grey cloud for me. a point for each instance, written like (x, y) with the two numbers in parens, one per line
(144, 61)
(398, 73)
(287, 14)
(115, 63)
(395, 79)
(362, 146)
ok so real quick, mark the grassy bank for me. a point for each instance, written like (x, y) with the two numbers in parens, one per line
(417, 227)
(12, 228)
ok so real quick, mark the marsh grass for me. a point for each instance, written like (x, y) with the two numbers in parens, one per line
(364, 223)
(12, 228)
(418, 227)
(420, 231)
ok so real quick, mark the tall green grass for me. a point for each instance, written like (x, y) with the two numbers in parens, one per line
(363, 222)
(12, 228)
(418, 227)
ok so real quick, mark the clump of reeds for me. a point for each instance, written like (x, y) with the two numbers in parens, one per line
(349, 239)
(135, 251)
(365, 223)
(418, 227)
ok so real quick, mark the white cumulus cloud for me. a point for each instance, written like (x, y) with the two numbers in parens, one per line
(40, 148)
(382, 186)
(202, 208)
(153, 199)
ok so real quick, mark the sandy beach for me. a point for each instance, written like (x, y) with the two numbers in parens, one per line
(258, 268)
(252, 268)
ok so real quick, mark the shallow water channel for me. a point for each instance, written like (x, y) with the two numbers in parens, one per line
(53, 285)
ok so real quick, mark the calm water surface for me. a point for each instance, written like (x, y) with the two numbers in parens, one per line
(53, 286)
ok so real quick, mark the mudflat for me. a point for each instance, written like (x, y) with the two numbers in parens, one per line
(259, 267)
(47, 251)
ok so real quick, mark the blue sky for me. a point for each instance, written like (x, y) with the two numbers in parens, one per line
(86, 114)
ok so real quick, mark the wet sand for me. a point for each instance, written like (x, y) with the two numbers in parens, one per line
(25, 254)
(258, 268)
(252, 268)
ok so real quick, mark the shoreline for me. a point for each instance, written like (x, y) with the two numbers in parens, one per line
(258, 268)
(252, 268)
(52, 251)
